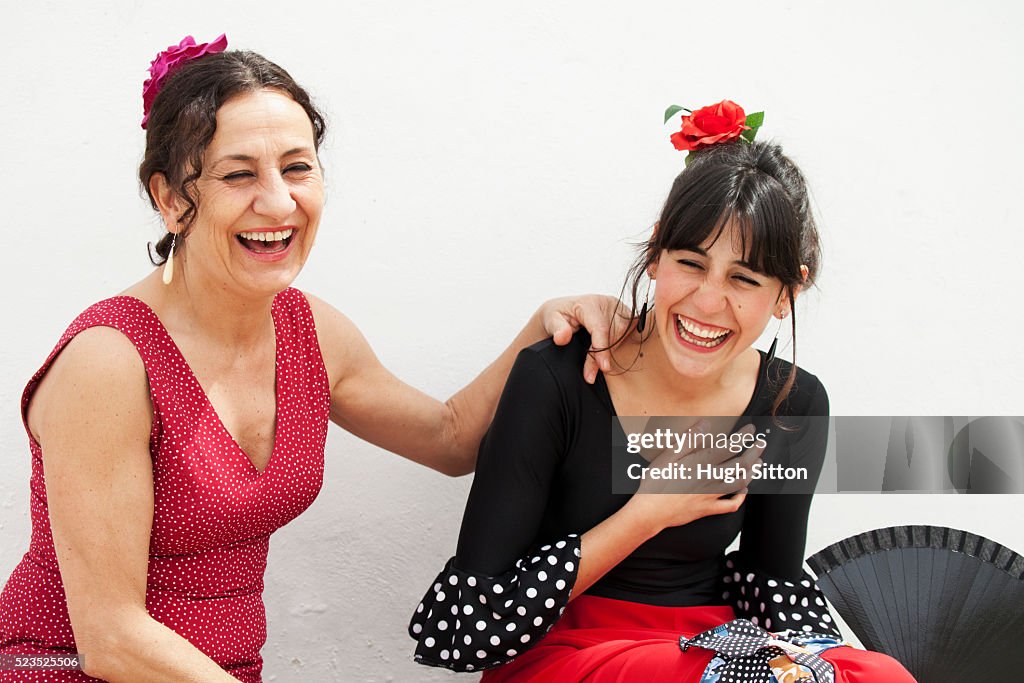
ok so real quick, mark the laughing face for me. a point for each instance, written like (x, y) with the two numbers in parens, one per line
(260, 197)
(710, 305)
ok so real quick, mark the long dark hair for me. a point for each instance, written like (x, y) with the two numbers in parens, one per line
(761, 191)
(183, 120)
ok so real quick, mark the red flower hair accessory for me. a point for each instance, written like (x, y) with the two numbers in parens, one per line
(712, 125)
(169, 61)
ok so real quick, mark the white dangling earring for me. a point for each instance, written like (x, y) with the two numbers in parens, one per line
(168, 274)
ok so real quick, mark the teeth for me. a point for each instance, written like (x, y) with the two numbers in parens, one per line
(699, 336)
(267, 236)
(703, 332)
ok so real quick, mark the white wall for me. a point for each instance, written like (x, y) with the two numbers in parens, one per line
(485, 156)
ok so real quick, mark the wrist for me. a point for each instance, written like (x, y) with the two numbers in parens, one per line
(641, 514)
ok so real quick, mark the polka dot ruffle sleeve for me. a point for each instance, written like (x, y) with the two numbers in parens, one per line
(774, 604)
(468, 622)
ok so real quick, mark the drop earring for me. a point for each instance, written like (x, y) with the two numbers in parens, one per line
(641, 323)
(168, 273)
(775, 342)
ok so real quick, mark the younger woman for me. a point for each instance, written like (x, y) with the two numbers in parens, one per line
(735, 245)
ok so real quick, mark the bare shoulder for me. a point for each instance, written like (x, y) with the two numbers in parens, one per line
(97, 380)
(329, 320)
(342, 344)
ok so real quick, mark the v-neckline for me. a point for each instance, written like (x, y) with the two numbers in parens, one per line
(277, 389)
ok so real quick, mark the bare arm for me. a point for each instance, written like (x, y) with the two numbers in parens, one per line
(643, 517)
(92, 416)
(370, 402)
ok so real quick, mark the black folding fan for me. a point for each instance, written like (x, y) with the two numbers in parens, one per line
(948, 604)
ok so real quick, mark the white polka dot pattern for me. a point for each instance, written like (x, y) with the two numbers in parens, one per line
(745, 651)
(213, 510)
(774, 604)
(520, 606)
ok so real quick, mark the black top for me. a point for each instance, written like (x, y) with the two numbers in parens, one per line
(544, 472)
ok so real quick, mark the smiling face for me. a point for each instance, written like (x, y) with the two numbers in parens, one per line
(260, 197)
(710, 305)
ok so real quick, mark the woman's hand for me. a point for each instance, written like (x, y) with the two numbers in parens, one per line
(675, 502)
(659, 504)
(604, 317)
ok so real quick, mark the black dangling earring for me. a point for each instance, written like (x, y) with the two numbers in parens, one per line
(775, 342)
(641, 323)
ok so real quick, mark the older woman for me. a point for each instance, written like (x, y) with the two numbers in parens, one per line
(177, 425)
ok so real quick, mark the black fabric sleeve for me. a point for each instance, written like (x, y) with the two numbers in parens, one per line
(501, 593)
(765, 581)
(774, 529)
(518, 460)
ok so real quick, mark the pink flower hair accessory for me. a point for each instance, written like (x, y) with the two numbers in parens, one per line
(169, 61)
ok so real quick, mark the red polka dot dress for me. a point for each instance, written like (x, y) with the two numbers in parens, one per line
(213, 510)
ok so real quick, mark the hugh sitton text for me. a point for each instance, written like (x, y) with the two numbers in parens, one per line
(724, 474)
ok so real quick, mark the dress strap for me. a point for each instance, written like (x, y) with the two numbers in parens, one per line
(293, 321)
(302, 372)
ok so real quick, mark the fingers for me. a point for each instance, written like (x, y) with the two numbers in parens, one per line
(724, 506)
(599, 350)
(602, 336)
(667, 457)
(751, 456)
(590, 369)
(725, 455)
(599, 356)
(562, 332)
(592, 312)
(622, 319)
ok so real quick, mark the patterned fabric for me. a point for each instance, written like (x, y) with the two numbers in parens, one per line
(606, 640)
(213, 510)
(749, 654)
(468, 622)
(776, 604)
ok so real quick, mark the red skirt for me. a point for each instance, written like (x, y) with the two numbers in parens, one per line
(600, 640)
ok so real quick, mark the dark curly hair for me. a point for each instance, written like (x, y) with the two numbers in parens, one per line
(183, 120)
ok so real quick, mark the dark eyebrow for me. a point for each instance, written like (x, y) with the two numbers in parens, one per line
(742, 263)
(233, 157)
(246, 157)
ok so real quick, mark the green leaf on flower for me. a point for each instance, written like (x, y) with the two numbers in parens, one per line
(673, 110)
(686, 159)
(755, 121)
